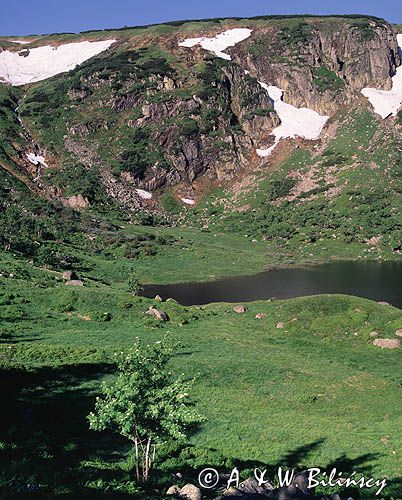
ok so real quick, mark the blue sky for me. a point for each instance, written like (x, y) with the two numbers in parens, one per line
(23, 17)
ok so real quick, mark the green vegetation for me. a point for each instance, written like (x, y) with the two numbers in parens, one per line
(313, 393)
(366, 204)
(134, 285)
(75, 179)
(144, 404)
(139, 153)
(326, 79)
(309, 376)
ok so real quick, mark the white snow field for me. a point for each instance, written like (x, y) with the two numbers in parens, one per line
(36, 159)
(145, 195)
(295, 122)
(43, 62)
(21, 42)
(301, 122)
(387, 102)
(220, 42)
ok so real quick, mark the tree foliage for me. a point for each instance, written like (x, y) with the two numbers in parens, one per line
(144, 403)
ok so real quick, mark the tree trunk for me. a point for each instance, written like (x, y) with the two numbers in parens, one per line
(147, 460)
(137, 461)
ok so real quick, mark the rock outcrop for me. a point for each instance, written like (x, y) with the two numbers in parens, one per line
(388, 343)
(322, 63)
(168, 115)
(158, 314)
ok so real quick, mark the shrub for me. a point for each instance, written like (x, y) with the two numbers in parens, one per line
(170, 204)
(134, 285)
(325, 79)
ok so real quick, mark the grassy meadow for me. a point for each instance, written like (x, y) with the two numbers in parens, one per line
(313, 393)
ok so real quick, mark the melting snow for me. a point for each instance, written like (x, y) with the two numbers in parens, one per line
(220, 42)
(387, 102)
(301, 122)
(187, 201)
(43, 62)
(36, 159)
(145, 195)
(21, 42)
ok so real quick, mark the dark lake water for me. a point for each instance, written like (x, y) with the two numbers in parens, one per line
(380, 281)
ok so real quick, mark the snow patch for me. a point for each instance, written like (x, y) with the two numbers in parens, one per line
(295, 122)
(187, 201)
(21, 42)
(302, 122)
(145, 195)
(387, 102)
(219, 43)
(36, 159)
(20, 68)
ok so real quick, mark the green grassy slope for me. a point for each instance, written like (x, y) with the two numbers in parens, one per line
(344, 199)
(315, 392)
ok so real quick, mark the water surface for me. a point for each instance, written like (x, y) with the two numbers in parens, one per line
(380, 281)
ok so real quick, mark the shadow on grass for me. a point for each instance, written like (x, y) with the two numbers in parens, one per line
(47, 450)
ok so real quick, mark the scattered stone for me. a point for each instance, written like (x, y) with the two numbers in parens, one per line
(374, 334)
(240, 309)
(69, 275)
(173, 490)
(260, 316)
(298, 489)
(398, 333)
(75, 283)
(388, 343)
(76, 201)
(188, 492)
(250, 485)
(158, 314)
(158, 298)
(280, 325)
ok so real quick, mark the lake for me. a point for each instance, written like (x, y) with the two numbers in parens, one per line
(380, 281)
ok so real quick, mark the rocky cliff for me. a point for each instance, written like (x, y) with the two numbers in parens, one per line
(322, 63)
(149, 114)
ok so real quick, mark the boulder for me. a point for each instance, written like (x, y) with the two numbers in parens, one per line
(158, 298)
(388, 343)
(190, 492)
(76, 201)
(240, 309)
(69, 275)
(231, 492)
(75, 283)
(158, 314)
(383, 303)
(250, 485)
(398, 333)
(374, 334)
(173, 490)
(280, 325)
(260, 316)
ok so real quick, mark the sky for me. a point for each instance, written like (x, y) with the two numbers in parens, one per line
(24, 17)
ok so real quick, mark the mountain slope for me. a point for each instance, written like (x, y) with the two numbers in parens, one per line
(158, 115)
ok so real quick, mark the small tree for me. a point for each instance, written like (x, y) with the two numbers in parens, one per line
(134, 285)
(144, 403)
